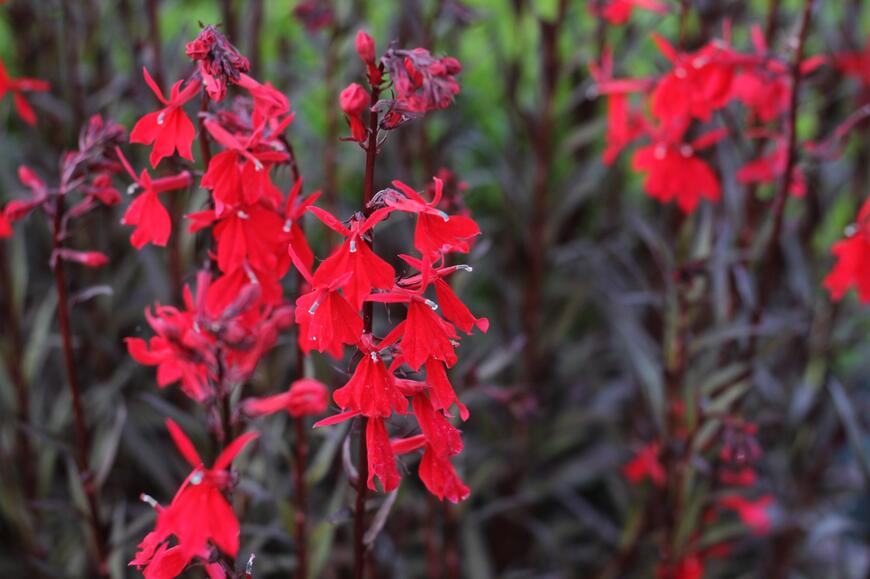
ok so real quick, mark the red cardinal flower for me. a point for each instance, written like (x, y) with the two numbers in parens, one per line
(147, 213)
(435, 232)
(424, 335)
(646, 465)
(306, 397)
(698, 84)
(180, 352)
(354, 257)
(618, 12)
(251, 235)
(440, 440)
(372, 390)
(451, 306)
(326, 319)
(853, 260)
(18, 86)
(169, 129)
(675, 173)
(240, 175)
(199, 515)
(753, 513)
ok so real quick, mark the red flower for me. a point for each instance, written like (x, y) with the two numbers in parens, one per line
(618, 12)
(178, 350)
(240, 175)
(354, 257)
(435, 230)
(18, 86)
(753, 513)
(675, 173)
(169, 129)
(646, 465)
(146, 213)
(856, 64)
(440, 440)
(252, 235)
(698, 84)
(326, 320)
(199, 514)
(451, 306)
(306, 397)
(769, 168)
(424, 335)
(853, 260)
(372, 390)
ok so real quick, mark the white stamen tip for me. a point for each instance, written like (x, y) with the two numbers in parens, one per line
(313, 309)
(258, 166)
(850, 230)
(243, 215)
(443, 215)
(374, 356)
(196, 478)
(148, 500)
(161, 117)
(288, 225)
(464, 267)
(431, 304)
(132, 188)
(353, 245)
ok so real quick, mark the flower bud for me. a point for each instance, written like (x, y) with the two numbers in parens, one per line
(354, 100)
(365, 47)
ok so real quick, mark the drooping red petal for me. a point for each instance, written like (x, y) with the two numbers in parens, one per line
(381, 460)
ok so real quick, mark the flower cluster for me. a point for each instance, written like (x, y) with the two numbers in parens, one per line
(730, 465)
(410, 362)
(682, 102)
(86, 173)
(214, 342)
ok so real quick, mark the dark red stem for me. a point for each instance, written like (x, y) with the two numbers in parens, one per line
(359, 526)
(778, 206)
(81, 431)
